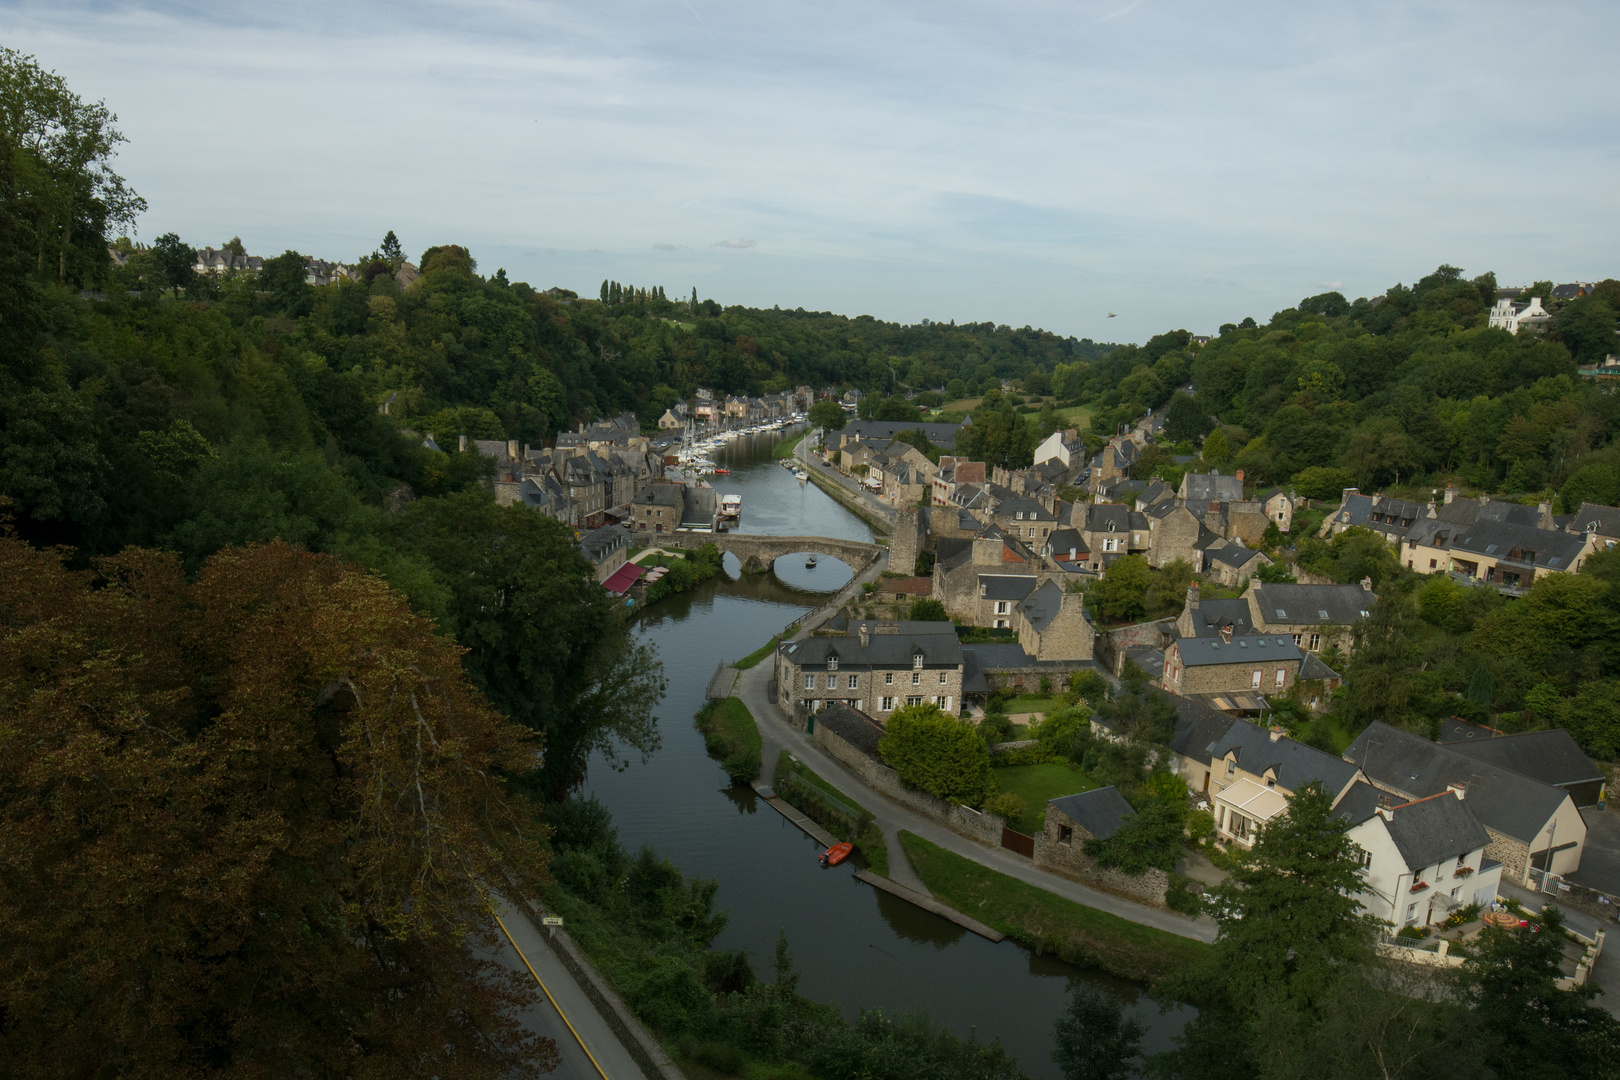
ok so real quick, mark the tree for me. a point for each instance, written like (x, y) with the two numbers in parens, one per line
(1323, 482)
(1596, 483)
(938, 754)
(176, 260)
(894, 409)
(1479, 686)
(391, 251)
(1121, 594)
(1511, 982)
(1093, 1039)
(929, 610)
(828, 415)
(284, 278)
(1217, 451)
(1185, 418)
(248, 819)
(1155, 837)
(544, 640)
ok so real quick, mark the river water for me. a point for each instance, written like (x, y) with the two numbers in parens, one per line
(852, 944)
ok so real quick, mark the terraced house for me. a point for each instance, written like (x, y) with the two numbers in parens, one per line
(904, 664)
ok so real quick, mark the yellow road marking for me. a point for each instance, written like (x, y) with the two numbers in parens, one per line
(547, 992)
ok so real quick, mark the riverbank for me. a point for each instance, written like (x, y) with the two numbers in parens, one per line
(881, 520)
(732, 736)
(1048, 923)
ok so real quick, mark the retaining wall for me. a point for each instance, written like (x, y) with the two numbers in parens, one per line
(1071, 861)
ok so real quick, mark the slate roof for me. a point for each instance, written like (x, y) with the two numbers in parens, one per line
(1211, 615)
(999, 656)
(882, 651)
(1042, 606)
(1359, 803)
(1212, 487)
(1006, 586)
(1439, 827)
(1155, 492)
(1108, 517)
(1469, 511)
(1338, 605)
(1497, 539)
(1032, 510)
(973, 680)
(952, 551)
(1100, 811)
(1456, 731)
(658, 495)
(601, 543)
(851, 725)
(1549, 756)
(1198, 726)
(1506, 801)
(1249, 649)
(1062, 541)
(941, 435)
(1295, 763)
(1606, 519)
(1312, 668)
(1235, 556)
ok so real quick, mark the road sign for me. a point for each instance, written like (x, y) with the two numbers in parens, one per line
(551, 920)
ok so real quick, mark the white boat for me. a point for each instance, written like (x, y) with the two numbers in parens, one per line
(801, 475)
(731, 506)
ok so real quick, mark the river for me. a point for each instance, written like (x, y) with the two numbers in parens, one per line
(852, 944)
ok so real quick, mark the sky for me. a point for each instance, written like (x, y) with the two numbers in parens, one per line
(1179, 165)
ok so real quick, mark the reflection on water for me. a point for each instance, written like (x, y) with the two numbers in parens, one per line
(851, 943)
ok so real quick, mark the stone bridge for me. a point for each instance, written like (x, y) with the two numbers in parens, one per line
(757, 553)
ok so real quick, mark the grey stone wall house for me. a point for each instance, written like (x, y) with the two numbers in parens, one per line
(1256, 663)
(1093, 815)
(875, 673)
(1234, 563)
(1316, 617)
(657, 508)
(1052, 625)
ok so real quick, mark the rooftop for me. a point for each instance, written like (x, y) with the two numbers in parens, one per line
(1100, 812)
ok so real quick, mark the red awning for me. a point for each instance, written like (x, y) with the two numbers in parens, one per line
(624, 577)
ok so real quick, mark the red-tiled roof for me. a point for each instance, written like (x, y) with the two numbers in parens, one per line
(624, 577)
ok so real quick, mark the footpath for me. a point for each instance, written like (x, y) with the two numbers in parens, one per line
(753, 687)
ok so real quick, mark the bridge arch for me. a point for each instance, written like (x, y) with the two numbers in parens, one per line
(759, 553)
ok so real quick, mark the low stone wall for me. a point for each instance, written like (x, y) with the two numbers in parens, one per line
(1029, 678)
(1111, 644)
(984, 828)
(1570, 895)
(1071, 861)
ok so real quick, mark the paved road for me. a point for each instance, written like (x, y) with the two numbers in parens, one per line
(524, 944)
(815, 464)
(1606, 972)
(754, 689)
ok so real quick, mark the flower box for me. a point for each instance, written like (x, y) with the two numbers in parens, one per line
(1462, 871)
(1419, 887)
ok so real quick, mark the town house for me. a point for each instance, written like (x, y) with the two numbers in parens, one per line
(874, 673)
(1257, 663)
(1316, 617)
(1421, 858)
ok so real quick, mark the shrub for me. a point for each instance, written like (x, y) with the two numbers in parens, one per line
(938, 754)
(996, 727)
(1184, 895)
(1005, 805)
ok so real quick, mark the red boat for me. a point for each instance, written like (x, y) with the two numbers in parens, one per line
(722, 472)
(836, 854)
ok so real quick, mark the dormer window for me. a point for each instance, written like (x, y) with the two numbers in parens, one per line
(832, 663)
(916, 660)
(1231, 766)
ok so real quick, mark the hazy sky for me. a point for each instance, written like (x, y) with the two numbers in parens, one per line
(1181, 164)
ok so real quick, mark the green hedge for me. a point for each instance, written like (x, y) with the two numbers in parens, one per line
(731, 735)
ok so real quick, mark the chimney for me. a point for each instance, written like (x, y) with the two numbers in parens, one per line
(430, 437)
(1226, 633)
(462, 445)
(866, 637)
(1277, 733)
(1366, 583)
(1384, 811)
(1451, 493)
(511, 449)
(1461, 790)
(1240, 480)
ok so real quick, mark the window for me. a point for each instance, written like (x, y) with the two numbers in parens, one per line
(942, 678)
(1411, 911)
(913, 701)
(1065, 835)
(917, 660)
(888, 678)
(1238, 826)
(888, 704)
(854, 682)
(1297, 638)
(1366, 860)
(1316, 642)
(1282, 677)
(1019, 516)
(1455, 891)
(1431, 564)
(1001, 607)
(1109, 545)
(809, 682)
(1231, 766)
(916, 678)
(832, 682)
(1254, 680)
(943, 702)
(832, 663)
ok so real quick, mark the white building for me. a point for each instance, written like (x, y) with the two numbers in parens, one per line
(1421, 858)
(1510, 315)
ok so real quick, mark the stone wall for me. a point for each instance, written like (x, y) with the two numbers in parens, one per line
(1110, 645)
(905, 542)
(1071, 861)
(1513, 854)
(984, 828)
(1238, 677)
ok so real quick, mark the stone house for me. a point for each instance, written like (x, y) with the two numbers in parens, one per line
(959, 563)
(1421, 858)
(1213, 618)
(1175, 532)
(1211, 487)
(954, 472)
(1052, 624)
(1257, 663)
(1278, 506)
(1316, 617)
(674, 417)
(606, 548)
(1504, 554)
(1600, 522)
(1024, 518)
(874, 673)
(1112, 530)
(1531, 823)
(1112, 463)
(1234, 563)
(1093, 815)
(657, 508)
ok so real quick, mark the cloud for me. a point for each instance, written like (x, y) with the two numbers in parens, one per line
(661, 246)
(734, 242)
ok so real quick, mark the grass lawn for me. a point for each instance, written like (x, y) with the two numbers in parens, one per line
(1049, 923)
(731, 735)
(758, 654)
(1078, 415)
(784, 449)
(1031, 703)
(869, 843)
(1037, 785)
(964, 405)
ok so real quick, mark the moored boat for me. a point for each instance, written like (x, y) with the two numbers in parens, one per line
(836, 854)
